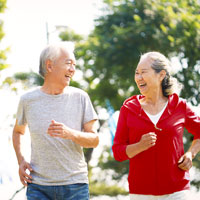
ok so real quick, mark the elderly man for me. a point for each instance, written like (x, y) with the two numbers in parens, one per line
(61, 121)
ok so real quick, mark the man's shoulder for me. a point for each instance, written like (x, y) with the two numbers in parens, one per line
(75, 91)
(31, 93)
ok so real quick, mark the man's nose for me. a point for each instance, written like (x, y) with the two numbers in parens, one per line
(72, 68)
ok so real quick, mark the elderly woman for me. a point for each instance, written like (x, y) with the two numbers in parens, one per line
(150, 134)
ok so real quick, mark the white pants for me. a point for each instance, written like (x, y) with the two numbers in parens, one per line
(182, 195)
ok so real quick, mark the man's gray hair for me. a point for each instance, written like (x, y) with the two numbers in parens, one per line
(52, 52)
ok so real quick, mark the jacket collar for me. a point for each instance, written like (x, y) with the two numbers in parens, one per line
(134, 106)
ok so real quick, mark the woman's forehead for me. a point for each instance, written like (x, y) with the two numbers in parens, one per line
(144, 64)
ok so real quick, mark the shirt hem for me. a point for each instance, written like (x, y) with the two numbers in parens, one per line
(60, 183)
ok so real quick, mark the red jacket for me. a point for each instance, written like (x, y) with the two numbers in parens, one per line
(155, 171)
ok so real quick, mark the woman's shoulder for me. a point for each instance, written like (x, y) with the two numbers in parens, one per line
(133, 99)
(132, 104)
(176, 99)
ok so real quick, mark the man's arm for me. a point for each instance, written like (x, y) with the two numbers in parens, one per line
(87, 139)
(185, 162)
(18, 132)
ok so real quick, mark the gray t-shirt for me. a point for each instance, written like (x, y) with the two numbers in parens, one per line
(56, 161)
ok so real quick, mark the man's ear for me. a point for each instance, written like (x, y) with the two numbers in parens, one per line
(49, 65)
(162, 74)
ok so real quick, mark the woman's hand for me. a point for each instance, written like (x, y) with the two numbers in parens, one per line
(148, 140)
(185, 162)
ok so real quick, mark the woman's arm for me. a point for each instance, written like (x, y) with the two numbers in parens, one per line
(185, 162)
(147, 141)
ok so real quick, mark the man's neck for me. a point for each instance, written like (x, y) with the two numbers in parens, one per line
(52, 89)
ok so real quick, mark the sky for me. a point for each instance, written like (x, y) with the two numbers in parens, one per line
(25, 27)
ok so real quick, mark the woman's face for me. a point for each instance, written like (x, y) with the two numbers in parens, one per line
(147, 80)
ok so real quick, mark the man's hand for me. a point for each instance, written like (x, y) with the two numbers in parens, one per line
(87, 139)
(57, 129)
(185, 162)
(24, 176)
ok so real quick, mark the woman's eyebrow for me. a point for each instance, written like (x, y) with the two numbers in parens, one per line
(143, 69)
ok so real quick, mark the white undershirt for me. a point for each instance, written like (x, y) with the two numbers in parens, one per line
(181, 195)
(155, 118)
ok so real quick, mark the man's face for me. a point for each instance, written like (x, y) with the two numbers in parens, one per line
(63, 68)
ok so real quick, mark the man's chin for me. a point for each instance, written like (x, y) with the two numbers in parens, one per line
(67, 83)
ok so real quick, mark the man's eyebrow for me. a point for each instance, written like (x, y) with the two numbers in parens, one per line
(72, 61)
(68, 59)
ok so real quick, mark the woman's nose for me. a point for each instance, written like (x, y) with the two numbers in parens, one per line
(139, 77)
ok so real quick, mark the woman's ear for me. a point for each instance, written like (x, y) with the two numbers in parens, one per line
(48, 65)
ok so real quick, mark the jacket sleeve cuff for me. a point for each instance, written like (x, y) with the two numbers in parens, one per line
(119, 152)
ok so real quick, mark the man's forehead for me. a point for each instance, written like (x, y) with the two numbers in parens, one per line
(68, 55)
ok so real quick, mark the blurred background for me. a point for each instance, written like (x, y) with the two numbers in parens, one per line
(110, 36)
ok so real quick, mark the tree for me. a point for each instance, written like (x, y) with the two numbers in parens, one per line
(2, 52)
(129, 28)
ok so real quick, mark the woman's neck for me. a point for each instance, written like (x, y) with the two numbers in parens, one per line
(153, 104)
(154, 100)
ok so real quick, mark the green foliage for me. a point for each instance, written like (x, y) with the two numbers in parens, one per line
(106, 162)
(126, 30)
(2, 52)
(101, 185)
(2, 5)
(196, 161)
(29, 78)
(70, 35)
(130, 28)
(97, 189)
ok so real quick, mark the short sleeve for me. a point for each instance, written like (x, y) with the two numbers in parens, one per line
(20, 116)
(89, 113)
(192, 123)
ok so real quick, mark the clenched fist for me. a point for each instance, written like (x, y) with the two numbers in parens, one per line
(148, 140)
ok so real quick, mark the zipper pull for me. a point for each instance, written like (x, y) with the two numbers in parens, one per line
(157, 128)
